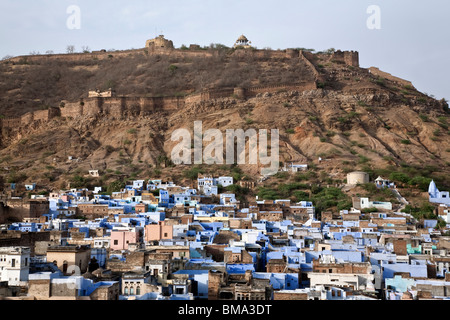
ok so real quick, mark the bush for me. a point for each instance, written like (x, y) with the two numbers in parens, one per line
(328, 198)
(267, 194)
(115, 186)
(78, 181)
(420, 182)
(425, 211)
(290, 131)
(193, 173)
(399, 177)
(300, 196)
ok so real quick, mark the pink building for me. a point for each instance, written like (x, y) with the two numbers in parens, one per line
(158, 231)
(120, 239)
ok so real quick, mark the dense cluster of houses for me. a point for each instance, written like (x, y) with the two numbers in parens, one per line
(155, 240)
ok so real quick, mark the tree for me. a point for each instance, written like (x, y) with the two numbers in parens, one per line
(115, 186)
(70, 49)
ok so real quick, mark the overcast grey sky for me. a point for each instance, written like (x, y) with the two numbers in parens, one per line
(413, 42)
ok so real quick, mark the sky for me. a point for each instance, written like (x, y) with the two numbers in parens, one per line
(409, 39)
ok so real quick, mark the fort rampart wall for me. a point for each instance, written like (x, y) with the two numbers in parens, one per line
(119, 107)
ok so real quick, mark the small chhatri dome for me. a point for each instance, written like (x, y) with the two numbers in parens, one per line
(242, 38)
(243, 42)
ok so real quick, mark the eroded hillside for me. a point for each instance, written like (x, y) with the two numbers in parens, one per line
(354, 119)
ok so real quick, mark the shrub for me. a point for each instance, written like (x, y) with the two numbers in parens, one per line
(420, 182)
(193, 173)
(290, 131)
(380, 82)
(320, 85)
(363, 159)
(115, 186)
(399, 176)
(425, 211)
(406, 141)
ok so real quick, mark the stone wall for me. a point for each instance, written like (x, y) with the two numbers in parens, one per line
(21, 239)
(39, 289)
(18, 209)
(119, 107)
(290, 295)
(377, 72)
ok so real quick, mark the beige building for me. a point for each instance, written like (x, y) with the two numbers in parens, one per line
(70, 259)
(137, 284)
(159, 43)
(357, 177)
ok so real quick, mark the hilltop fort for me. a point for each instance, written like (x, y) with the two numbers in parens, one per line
(108, 102)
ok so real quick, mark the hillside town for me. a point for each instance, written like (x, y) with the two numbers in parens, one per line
(155, 240)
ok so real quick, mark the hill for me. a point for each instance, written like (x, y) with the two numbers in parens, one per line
(323, 104)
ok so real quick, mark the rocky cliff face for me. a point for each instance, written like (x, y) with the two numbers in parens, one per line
(354, 120)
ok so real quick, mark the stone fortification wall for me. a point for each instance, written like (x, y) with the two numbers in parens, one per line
(377, 72)
(350, 58)
(118, 107)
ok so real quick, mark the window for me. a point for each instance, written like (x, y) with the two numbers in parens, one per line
(179, 291)
(13, 263)
(116, 242)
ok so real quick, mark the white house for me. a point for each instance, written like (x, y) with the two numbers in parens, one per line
(365, 203)
(14, 265)
(138, 184)
(210, 190)
(224, 181)
(227, 198)
(205, 184)
(295, 167)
